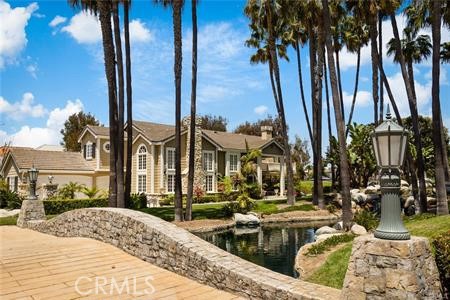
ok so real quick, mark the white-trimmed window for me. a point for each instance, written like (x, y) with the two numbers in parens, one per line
(171, 183)
(106, 147)
(209, 184)
(208, 161)
(142, 158)
(12, 183)
(142, 183)
(234, 162)
(170, 156)
(89, 150)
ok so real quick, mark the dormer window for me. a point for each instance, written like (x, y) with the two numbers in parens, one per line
(106, 147)
(89, 150)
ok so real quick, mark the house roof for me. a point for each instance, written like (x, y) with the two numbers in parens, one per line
(25, 158)
(227, 140)
(99, 130)
(155, 132)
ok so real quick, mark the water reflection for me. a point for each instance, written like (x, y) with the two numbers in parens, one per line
(274, 248)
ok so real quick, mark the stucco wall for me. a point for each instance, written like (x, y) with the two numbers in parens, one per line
(173, 248)
(63, 179)
(272, 149)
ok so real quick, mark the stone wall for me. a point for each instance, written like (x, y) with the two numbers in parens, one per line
(199, 174)
(173, 248)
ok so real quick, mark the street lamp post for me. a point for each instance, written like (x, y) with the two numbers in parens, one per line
(389, 142)
(33, 175)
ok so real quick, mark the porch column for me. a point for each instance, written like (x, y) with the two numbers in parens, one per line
(259, 172)
(282, 176)
(161, 168)
(152, 170)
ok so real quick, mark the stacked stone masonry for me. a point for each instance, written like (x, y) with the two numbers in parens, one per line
(173, 248)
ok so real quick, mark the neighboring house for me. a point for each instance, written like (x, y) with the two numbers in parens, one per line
(217, 154)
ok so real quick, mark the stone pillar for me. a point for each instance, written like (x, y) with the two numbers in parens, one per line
(282, 176)
(387, 269)
(199, 174)
(32, 211)
(49, 190)
(259, 172)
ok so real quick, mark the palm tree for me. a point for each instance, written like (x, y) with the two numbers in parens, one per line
(441, 196)
(265, 28)
(413, 107)
(330, 134)
(343, 159)
(126, 26)
(355, 37)
(190, 189)
(120, 132)
(445, 52)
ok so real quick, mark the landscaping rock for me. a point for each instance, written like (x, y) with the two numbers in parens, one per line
(354, 191)
(325, 230)
(241, 219)
(372, 189)
(359, 198)
(8, 213)
(339, 225)
(404, 183)
(358, 229)
(323, 237)
(431, 200)
(409, 201)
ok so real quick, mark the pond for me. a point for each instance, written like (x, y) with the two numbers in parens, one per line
(274, 248)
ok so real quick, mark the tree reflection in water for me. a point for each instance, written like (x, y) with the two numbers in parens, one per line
(274, 248)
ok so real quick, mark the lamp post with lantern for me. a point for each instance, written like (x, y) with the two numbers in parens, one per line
(389, 142)
(33, 175)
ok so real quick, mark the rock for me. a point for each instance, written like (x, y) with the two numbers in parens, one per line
(323, 237)
(404, 183)
(241, 219)
(339, 225)
(359, 197)
(372, 189)
(353, 205)
(325, 230)
(354, 191)
(358, 229)
(431, 200)
(8, 213)
(409, 201)
(405, 192)
(339, 199)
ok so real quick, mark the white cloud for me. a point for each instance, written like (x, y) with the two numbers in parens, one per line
(84, 27)
(260, 110)
(139, 32)
(32, 69)
(13, 38)
(57, 20)
(363, 98)
(443, 79)
(423, 94)
(22, 109)
(35, 136)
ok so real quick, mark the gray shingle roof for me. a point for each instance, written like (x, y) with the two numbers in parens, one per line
(229, 140)
(155, 132)
(49, 160)
(99, 130)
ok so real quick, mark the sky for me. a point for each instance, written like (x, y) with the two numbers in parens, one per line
(51, 66)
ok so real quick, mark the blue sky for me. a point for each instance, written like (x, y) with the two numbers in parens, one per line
(51, 65)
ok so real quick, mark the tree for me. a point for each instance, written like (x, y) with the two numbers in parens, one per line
(255, 127)
(126, 27)
(343, 159)
(121, 107)
(445, 52)
(190, 189)
(300, 156)
(69, 190)
(215, 123)
(73, 127)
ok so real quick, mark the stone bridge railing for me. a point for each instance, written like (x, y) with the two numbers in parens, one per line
(168, 246)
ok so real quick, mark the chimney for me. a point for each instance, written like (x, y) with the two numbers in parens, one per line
(266, 132)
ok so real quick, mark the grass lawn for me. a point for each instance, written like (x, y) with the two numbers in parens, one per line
(199, 211)
(332, 273)
(12, 220)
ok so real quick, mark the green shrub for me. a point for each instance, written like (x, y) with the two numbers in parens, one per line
(242, 205)
(366, 219)
(138, 201)
(331, 208)
(254, 190)
(55, 207)
(330, 242)
(441, 246)
(302, 207)
(10, 199)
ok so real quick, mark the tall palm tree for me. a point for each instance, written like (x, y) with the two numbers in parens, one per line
(330, 133)
(177, 6)
(380, 51)
(414, 114)
(190, 189)
(340, 125)
(121, 107)
(441, 196)
(126, 26)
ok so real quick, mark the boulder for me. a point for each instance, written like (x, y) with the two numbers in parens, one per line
(404, 183)
(359, 197)
(409, 201)
(323, 237)
(354, 191)
(241, 219)
(339, 199)
(8, 213)
(339, 225)
(431, 200)
(358, 229)
(372, 189)
(325, 230)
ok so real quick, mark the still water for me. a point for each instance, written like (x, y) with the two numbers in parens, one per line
(274, 248)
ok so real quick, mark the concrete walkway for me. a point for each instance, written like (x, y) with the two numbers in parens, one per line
(39, 266)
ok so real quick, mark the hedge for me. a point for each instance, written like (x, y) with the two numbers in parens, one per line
(208, 198)
(55, 207)
(441, 246)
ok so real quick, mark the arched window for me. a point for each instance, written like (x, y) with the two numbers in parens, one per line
(142, 158)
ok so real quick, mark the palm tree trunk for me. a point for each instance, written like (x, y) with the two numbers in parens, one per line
(330, 134)
(374, 50)
(126, 25)
(343, 159)
(355, 91)
(380, 51)
(414, 117)
(338, 65)
(302, 92)
(104, 8)
(273, 57)
(177, 70)
(120, 132)
(441, 196)
(190, 188)
(444, 154)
